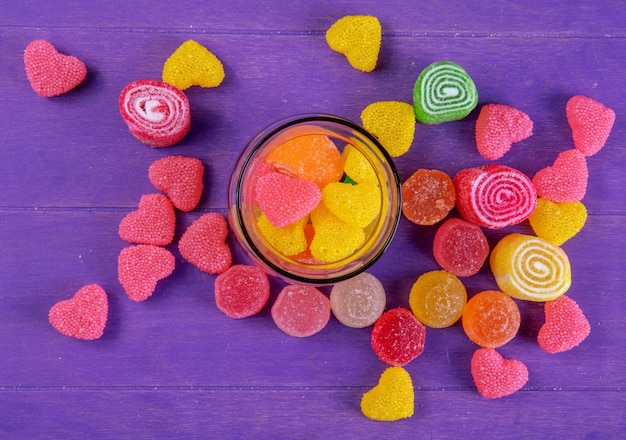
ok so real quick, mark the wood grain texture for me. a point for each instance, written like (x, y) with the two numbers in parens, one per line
(175, 366)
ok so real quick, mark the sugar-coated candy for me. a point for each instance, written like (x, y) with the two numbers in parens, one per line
(491, 318)
(497, 127)
(154, 222)
(313, 157)
(83, 316)
(428, 196)
(357, 205)
(288, 240)
(156, 113)
(192, 64)
(49, 72)
(438, 299)
(443, 92)
(301, 310)
(334, 239)
(241, 291)
(204, 245)
(141, 267)
(591, 123)
(285, 199)
(306, 257)
(494, 196)
(398, 337)
(565, 326)
(180, 178)
(460, 247)
(359, 301)
(530, 268)
(495, 376)
(565, 180)
(393, 123)
(357, 167)
(557, 222)
(392, 399)
(358, 37)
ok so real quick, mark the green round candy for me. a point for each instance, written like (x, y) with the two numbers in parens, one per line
(443, 92)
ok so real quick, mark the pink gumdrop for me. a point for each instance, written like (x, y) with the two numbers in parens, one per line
(460, 247)
(241, 291)
(301, 310)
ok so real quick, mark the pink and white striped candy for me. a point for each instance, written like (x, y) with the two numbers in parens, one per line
(494, 196)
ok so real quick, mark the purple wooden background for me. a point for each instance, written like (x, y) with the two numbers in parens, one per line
(174, 366)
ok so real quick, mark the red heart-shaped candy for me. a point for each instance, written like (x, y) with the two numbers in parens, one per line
(565, 327)
(49, 72)
(203, 244)
(154, 222)
(495, 376)
(180, 178)
(140, 267)
(84, 316)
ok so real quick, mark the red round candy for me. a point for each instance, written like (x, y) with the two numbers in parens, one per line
(398, 337)
(241, 291)
(460, 247)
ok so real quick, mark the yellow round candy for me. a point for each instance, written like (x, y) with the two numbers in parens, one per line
(438, 299)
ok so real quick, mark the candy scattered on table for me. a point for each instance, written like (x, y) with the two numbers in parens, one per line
(49, 72)
(154, 222)
(357, 205)
(334, 239)
(393, 123)
(192, 64)
(359, 301)
(437, 299)
(156, 113)
(591, 123)
(241, 291)
(204, 245)
(558, 222)
(497, 127)
(443, 92)
(530, 268)
(141, 267)
(495, 376)
(460, 247)
(358, 37)
(84, 316)
(428, 196)
(180, 178)
(491, 319)
(565, 326)
(494, 196)
(398, 337)
(392, 399)
(565, 180)
(301, 310)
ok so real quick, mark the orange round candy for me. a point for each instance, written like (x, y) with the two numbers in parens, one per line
(427, 197)
(491, 319)
(437, 299)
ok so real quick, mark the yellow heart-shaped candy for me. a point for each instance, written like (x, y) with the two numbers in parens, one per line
(334, 239)
(357, 37)
(357, 205)
(557, 222)
(393, 123)
(192, 64)
(392, 399)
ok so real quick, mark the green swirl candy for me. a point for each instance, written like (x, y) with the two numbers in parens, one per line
(443, 92)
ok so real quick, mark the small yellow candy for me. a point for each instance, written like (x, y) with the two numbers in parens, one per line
(558, 222)
(358, 37)
(192, 64)
(334, 239)
(288, 240)
(393, 123)
(357, 167)
(438, 298)
(357, 204)
(392, 399)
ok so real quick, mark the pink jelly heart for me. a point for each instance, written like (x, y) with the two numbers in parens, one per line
(284, 199)
(591, 123)
(83, 316)
(495, 376)
(565, 327)
(154, 222)
(204, 244)
(49, 72)
(565, 180)
(497, 127)
(141, 267)
(180, 178)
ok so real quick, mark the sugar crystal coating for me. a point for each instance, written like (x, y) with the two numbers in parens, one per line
(565, 326)
(460, 247)
(427, 196)
(591, 123)
(497, 127)
(495, 376)
(334, 239)
(141, 267)
(49, 72)
(180, 178)
(438, 299)
(301, 310)
(393, 123)
(565, 180)
(392, 399)
(288, 240)
(359, 301)
(357, 205)
(398, 337)
(358, 37)
(241, 291)
(204, 245)
(192, 64)
(154, 222)
(83, 316)
(558, 222)
(491, 319)
(357, 167)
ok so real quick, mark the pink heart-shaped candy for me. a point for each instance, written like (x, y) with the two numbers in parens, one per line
(497, 127)
(591, 123)
(49, 72)
(154, 222)
(180, 178)
(83, 316)
(203, 244)
(140, 267)
(565, 327)
(565, 180)
(495, 376)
